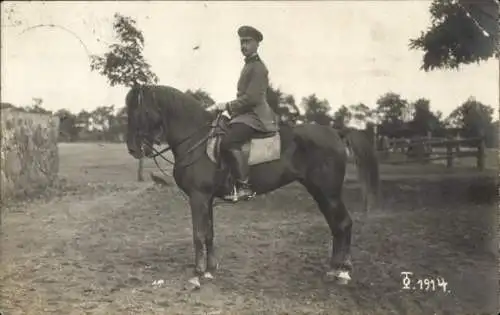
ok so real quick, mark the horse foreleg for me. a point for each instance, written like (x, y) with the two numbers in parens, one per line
(200, 207)
(209, 242)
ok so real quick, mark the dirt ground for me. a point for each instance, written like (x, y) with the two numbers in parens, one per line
(100, 241)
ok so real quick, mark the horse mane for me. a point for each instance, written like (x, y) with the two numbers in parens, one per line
(167, 102)
(178, 104)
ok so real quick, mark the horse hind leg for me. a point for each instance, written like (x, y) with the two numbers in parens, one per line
(340, 223)
(341, 263)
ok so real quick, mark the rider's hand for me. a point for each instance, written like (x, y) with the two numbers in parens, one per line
(217, 107)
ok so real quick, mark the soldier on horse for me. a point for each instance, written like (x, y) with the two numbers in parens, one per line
(310, 154)
(249, 113)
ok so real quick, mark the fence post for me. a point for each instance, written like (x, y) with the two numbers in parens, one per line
(140, 168)
(449, 154)
(481, 148)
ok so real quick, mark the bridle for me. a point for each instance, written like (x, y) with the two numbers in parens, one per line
(150, 140)
(213, 125)
(212, 133)
(178, 164)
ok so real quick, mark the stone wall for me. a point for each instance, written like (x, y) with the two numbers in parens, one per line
(29, 153)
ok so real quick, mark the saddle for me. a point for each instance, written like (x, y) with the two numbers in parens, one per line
(263, 147)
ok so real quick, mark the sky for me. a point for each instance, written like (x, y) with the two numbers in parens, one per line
(343, 51)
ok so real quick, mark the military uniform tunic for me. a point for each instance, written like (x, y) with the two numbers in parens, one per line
(250, 106)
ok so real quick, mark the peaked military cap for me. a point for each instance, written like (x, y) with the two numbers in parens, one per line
(249, 31)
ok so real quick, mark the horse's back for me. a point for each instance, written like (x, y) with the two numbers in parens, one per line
(321, 136)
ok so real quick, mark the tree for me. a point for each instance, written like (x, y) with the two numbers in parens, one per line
(423, 118)
(391, 111)
(68, 130)
(37, 107)
(6, 105)
(282, 104)
(472, 117)
(103, 121)
(288, 110)
(361, 114)
(125, 64)
(461, 32)
(316, 110)
(121, 121)
(494, 132)
(342, 117)
(201, 96)
(83, 120)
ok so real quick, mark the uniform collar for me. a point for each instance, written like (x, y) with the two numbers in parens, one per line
(254, 57)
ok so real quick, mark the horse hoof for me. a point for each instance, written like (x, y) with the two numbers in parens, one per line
(208, 276)
(193, 284)
(340, 276)
(342, 281)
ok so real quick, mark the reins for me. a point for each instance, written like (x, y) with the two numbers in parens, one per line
(209, 135)
(177, 163)
(157, 153)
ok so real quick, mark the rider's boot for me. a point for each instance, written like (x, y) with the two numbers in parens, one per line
(240, 169)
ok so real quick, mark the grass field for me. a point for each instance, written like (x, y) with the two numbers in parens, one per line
(99, 242)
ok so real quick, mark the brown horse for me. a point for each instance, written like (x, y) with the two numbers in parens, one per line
(314, 155)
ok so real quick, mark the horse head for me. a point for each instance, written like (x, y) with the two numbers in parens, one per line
(145, 123)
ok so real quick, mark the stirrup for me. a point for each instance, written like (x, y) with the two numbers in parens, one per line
(235, 197)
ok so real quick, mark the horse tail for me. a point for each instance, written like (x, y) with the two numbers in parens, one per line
(366, 162)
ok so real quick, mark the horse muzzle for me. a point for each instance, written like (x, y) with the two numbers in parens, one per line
(137, 154)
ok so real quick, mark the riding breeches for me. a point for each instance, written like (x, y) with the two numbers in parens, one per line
(237, 134)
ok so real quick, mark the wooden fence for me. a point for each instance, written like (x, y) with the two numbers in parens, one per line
(424, 150)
